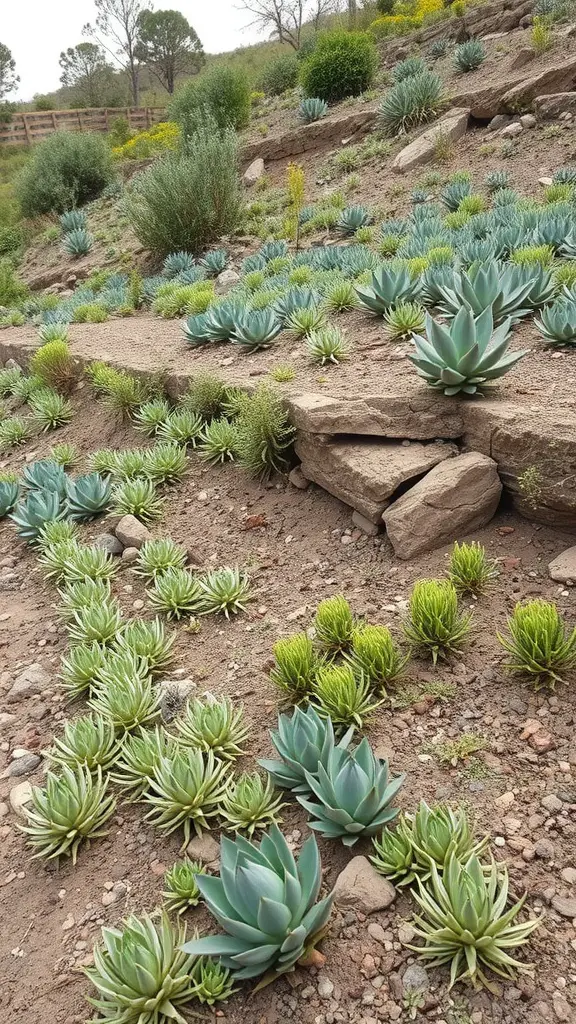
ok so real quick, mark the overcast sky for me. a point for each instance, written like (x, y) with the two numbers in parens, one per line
(38, 30)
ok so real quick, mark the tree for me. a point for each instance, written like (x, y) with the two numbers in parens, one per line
(84, 69)
(169, 46)
(8, 77)
(116, 29)
(285, 18)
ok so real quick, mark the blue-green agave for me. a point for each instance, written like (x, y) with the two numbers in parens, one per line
(304, 741)
(389, 285)
(88, 496)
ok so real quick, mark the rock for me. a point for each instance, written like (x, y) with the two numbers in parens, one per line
(366, 473)
(528, 121)
(415, 979)
(130, 555)
(4, 809)
(254, 172)
(297, 479)
(319, 134)
(6, 719)
(108, 542)
(569, 875)
(522, 57)
(544, 849)
(451, 126)
(563, 567)
(325, 987)
(511, 130)
(11, 364)
(549, 107)
(24, 765)
(551, 803)
(131, 532)
(564, 905)
(225, 281)
(20, 795)
(542, 741)
(203, 848)
(505, 801)
(497, 122)
(364, 524)
(515, 91)
(455, 498)
(545, 182)
(32, 680)
(376, 932)
(416, 417)
(561, 1007)
(360, 887)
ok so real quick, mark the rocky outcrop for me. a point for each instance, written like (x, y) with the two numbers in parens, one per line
(419, 417)
(547, 108)
(453, 499)
(451, 126)
(329, 131)
(366, 474)
(499, 16)
(516, 91)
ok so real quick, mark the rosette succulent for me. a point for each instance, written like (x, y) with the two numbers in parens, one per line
(304, 741)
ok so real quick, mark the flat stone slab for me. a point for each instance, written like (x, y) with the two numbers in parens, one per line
(366, 474)
(452, 126)
(563, 567)
(421, 417)
(457, 497)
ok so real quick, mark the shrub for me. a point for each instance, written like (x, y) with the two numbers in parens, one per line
(342, 64)
(11, 240)
(411, 102)
(11, 289)
(539, 642)
(541, 36)
(185, 201)
(158, 139)
(68, 169)
(120, 132)
(264, 433)
(55, 366)
(392, 25)
(280, 74)
(222, 94)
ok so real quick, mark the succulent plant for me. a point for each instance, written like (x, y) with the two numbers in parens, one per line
(539, 642)
(411, 102)
(177, 263)
(295, 666)
(181, 892)
(72, 807)
(437, 833)
(149, 640)
(312, 109)
(137, 497)
(87, 742)
(557, 323)
(166, 463)
(183, 426)
(343, 697)
(488, 285)
(468, 56)
(140, 753)
(157, 556)
(375, 656)
(405, 319)
(434, 623)
(80, 667)
(225, 590)
(394, 855)
(465, 922)
(13, 431)
(438, 49)
(389, 286)
(95, 623)
(77, 242)
(215, 261)
(9, 491)
(334, 624)
(141, 974)
(213, 983)
(44, 475)
(218, 441)
(255, 330)
(87, 561)
(353, 793)
(305, 321)
(186, 790)
(65, 454)
(250, 804)
(268, 910)
(264, 432)
(470, 569)
(150, 416)
(176, 593)
(128, 701)
(72, 220)
(50, 409)
(455, 191)
(352, 218)
(54, 557)
(340, 297)
(77, 594)
(495, 181)
(214, 726)
(87, 496)
(327, 345)
(304, 742)
(39, 508)
(466, 355)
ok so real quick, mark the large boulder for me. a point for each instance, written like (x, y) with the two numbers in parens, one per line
(563, 567)
(452, 126)
(419, 417)
(549, 107)
(455, 498)
(366, 474)
(254, 172)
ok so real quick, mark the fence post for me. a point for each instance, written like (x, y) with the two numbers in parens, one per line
(148, 122)
(26, 129)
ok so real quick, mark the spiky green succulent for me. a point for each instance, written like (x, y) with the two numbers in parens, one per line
(50, 410)
(72, 220)
(9, 375)
(465, 922)
(214, 983)
(213, 725)
(39, 508)
(296, 664)
(256, 329)
(375, 656)
(312, 109)
(9, 491)
(334, 624)
(88, 561)
(166, 463)
(77, 242)
(218, 441)
(87, 496)
(466, 355)
(411, 102)
(183, 426)
(266, 902)
(186, 791)
(327, 345)
(305, 321)
(71, 808)
(176, 592)
(434, 623)
(394, 855)
(405, 319)
(470, 568)
(180, 888)
(264, 432)
(214, 261)
(157, 556)
(138, 498)
(65, 454)
(95, 623)
(76, 594)
(149, 640)
(225, 590)
(86, 742)
(54, 557)
(140, 754)
(250, 804)
(303, 742)
(141, 974)
(469, 55)
(352, 218)
(150, 416)
(352, 795)
(489, 285)
(557, 323)
(540, 643)
(80, 667)
(129, 702)
(345, 698)
(437, 833)
(388, 286)
(44, 475)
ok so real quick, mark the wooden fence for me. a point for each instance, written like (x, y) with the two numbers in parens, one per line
(34, 126)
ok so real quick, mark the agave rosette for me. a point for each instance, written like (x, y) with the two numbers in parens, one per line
(304, 741)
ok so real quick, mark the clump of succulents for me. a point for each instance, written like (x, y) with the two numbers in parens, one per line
(466, 355)
(39, 508)
(539, 642)
(158, 556)
(137, 497)
(305, 321)
(87, 561)
(72, 220)
(411, 102)
(250, 804)
(213, 983)
(352, 795)
(488, 285)
(296, 663)
(183, 426)
(303, 741)
(375, 656)
(44, 475)
(256, 329)
(405, 319)
(351, 218)
(557, 323)
(141, 973)
(77, 242)
(86, 742)
(434, 623)
(166, 463)
(9, 491)
(65, 454)
(218, 441)
(72, 807)
(80, 667)
(264, 433)
(186, 791)
(149, 640)
(334, 624)
(180, 888)
(470, 568)
(50, 409)
(225, 590)
(388, 287)
(312, 109)
(124, 693)
(150, 416)
(468, 56)
(140, 754)
(176, 592)
(214, 726)
(271, 893)
(87, 496)
(13, 431)
(345, 698)
(327, 345)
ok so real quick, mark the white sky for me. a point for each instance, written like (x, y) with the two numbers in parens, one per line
(38, 30)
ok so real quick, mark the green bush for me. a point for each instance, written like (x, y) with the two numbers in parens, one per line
(120, 132)
(187, 200)
(280, 74)
(11, 240)
(342, 64)
(12, 290)
(222, 94)
(67, 170)
(385, 6)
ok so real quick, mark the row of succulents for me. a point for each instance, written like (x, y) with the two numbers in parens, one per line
(48, 409)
